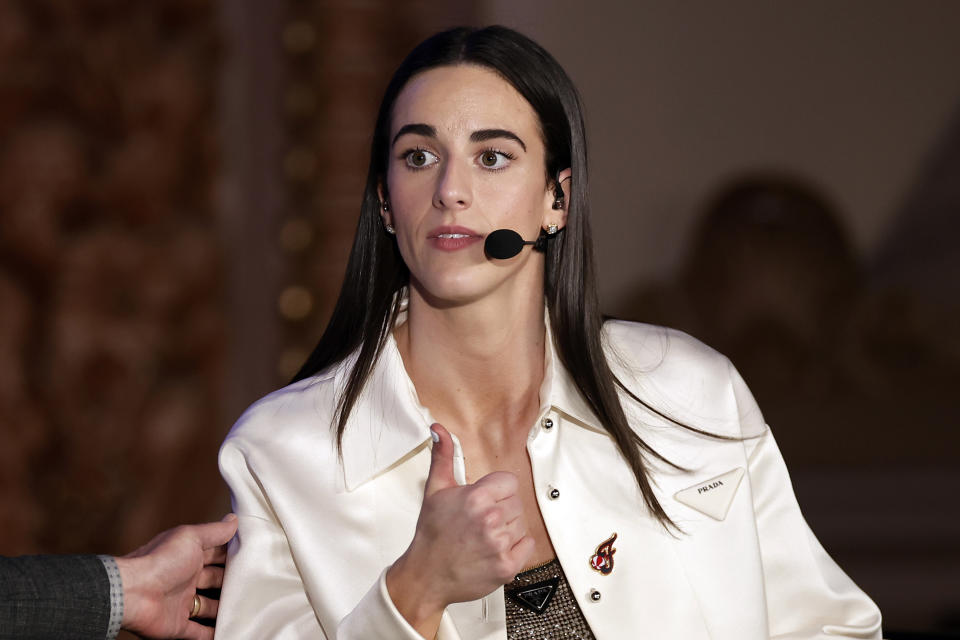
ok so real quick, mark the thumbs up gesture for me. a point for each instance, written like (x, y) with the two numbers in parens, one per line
(469, 541)
(440, 476)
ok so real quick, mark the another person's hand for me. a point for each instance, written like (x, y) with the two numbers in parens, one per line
(469, 541)
(161, 578)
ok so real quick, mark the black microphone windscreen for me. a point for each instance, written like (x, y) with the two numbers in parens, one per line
(503, 244)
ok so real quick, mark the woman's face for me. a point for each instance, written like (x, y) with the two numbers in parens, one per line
(466, 158)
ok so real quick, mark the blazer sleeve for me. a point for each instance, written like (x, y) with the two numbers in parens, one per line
(264, 595)
(54, 597)
(808, 595)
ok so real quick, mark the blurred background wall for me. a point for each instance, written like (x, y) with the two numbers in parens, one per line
(180, 180)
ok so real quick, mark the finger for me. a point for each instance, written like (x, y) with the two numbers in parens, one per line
(514, 531)
(440, 475)
(501, 485)
(511, 509)
(522, 551)
(216, 555)
(500, 514)
(208, 608)
(210, 577)
(214, 534)
(196, 631)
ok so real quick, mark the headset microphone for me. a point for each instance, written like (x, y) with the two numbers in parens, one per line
(503, 244)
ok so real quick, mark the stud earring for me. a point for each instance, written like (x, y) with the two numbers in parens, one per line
(552, 229)
(386, 207)
(387, 226)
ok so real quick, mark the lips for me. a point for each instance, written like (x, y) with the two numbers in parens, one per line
(452, 232)
(452, 238)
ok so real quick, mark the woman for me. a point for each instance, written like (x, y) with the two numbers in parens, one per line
(632, 455)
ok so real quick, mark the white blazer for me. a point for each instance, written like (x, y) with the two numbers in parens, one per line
(317, 533)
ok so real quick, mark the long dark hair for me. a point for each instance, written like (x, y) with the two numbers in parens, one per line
(368, 302)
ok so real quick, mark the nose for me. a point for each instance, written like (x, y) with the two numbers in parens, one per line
(454, 190)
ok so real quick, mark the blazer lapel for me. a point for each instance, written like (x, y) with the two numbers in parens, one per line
(646, 587)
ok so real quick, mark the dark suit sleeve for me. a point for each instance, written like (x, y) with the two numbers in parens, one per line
(45, 597)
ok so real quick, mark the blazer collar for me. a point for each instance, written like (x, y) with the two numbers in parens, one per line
(559, 391)
(388, 423)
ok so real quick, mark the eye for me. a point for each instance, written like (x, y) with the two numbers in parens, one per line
(419, 158)
(493, 159)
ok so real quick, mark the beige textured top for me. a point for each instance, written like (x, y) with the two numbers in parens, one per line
(541, 606)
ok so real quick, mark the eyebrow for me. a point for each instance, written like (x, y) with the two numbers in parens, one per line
(481, 135)
(489, 134)
(416, 129)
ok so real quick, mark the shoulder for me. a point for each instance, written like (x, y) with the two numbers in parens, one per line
(282, 447)
(681, 377)
(639, 346)
(287, 417)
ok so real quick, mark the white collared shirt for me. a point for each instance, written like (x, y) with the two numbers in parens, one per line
(317, 532)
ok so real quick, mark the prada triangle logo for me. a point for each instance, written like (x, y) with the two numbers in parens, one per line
(712, 497)
(535, 597)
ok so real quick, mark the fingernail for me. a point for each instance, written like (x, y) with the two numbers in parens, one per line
(228, 517)
(433, 434)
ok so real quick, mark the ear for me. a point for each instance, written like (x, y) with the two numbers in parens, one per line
(558, 216)
(385, 213)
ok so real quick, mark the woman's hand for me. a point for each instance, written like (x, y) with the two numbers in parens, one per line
(469, 541)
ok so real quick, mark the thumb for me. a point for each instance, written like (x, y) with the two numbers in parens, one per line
(213, 534)
(441, 461)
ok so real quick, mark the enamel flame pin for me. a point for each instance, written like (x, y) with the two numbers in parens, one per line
(602, 560)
